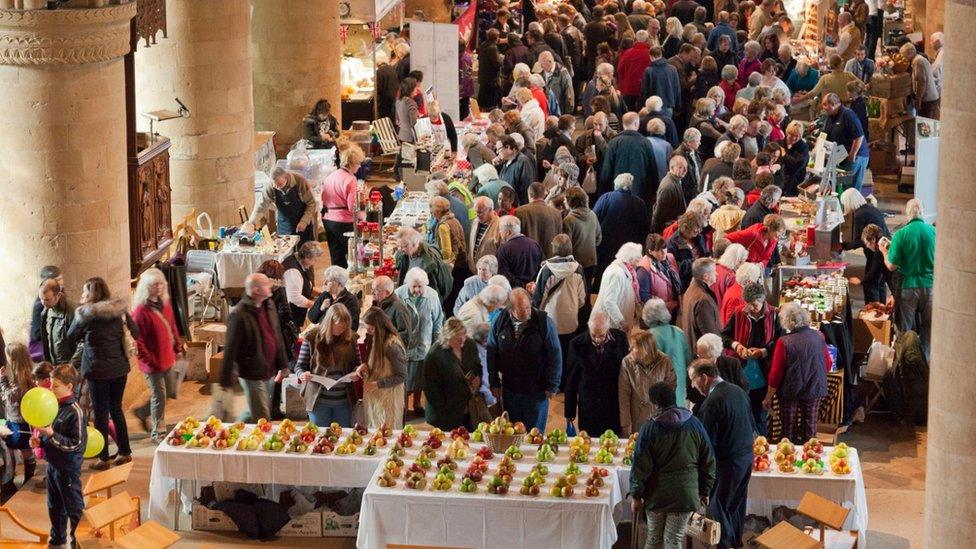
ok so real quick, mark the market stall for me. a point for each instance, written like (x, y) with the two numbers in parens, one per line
(240, 256)
(362, 27)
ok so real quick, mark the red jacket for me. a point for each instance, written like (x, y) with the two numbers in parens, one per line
(630, 68)
(158, 343)
(540, 96)
(730, 91)
(753, 238)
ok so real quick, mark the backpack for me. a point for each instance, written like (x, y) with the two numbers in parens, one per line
(906, 386)
(553, 102)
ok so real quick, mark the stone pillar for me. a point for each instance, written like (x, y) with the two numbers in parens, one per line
(63, 197)
(206, 63)
(437, 11)
(950, 517)
(934, 18)
(296, 57)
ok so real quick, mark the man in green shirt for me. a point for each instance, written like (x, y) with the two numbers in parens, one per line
(911, 252)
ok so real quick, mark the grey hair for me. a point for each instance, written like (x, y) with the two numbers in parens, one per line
(436, 187)
(537, 80)
(510, 223)
(483, 200)
(493, 294)
(623, 181)
(383, 283)
(146, 279)
(729, 71)
(595, 317)
(519, 140)
(914, 209)
(440, 203)
(468, 140)
(793, 317)
(416, 274)
(702, 266)
(852, 199)
(748, 273)
(408, 235)
(691, 135)
(252, 280)
(738, 121)
(336, 274)
(605, 69)
(735, 255)
(310, 250)
(655, 312)
(489, 261)
(278, 172)
(752, 45)
(642, 37)
(755, 78)
(630, 252)
(770, 194)
(654, 103)
(485, 172)
(655, 126)
(709, 346)
(501, 281)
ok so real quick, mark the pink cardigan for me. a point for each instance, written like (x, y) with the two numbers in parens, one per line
(339, 196)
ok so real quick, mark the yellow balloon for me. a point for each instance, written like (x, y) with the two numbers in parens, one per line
(95, 442)
(39, 407)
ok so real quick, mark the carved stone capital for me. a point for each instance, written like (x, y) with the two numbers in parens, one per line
(65, 36)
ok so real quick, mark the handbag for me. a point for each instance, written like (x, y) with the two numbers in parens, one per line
(704, 529)
(176, 376)
(478, 409)
(589, 181)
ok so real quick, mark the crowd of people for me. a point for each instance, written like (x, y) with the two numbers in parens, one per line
(621, 262)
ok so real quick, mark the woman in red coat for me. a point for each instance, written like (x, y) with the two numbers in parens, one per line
(159, 346)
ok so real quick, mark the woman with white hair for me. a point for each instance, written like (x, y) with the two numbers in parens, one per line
(452, 372)
(672, 40)
(531, 113)
(798, 373)
(489, 183)
(864, 213)
(335, 279)
(750, 62)
(732, 258)
(479, 309)
(417, 293)
(486, 267)
(669, 339)
(619, 294)
(745, 274)
(159, 346)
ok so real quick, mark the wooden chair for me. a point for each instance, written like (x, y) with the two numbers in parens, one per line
(109, 512)
(42, 537)
(388, 140)
(826, 513)
(106, 480)
(785, 536)
(150, 535)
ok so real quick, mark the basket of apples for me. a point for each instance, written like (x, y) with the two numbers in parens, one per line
(502, 433)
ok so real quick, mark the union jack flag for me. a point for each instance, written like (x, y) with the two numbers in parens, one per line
(375, 30)
(343, 32)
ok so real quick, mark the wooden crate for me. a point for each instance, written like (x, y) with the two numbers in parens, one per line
(891, 86)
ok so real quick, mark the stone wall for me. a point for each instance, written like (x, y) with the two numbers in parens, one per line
(62, 153)
(296, 55)
(206, 63)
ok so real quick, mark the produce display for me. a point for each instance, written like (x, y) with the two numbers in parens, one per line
(824, 295)
(808, 459)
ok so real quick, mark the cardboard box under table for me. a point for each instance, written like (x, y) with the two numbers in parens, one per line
(867, 331)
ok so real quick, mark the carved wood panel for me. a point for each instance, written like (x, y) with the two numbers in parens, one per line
(150, 208)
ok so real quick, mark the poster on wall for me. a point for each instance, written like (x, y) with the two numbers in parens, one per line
(927, 165)
(434, 51)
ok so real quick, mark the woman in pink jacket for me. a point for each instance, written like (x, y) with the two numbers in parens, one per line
(159, 346)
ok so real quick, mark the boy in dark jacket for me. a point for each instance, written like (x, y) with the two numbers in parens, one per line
(63, 442)
(673, 470)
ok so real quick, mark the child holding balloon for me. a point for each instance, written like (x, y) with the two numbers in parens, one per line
(16, 378)
(63, 441)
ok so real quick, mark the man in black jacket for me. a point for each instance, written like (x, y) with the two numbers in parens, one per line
(727, 417)
(255, 350)
(524, 360)
(489, 70)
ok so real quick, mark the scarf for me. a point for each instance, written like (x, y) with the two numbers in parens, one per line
(633, 283)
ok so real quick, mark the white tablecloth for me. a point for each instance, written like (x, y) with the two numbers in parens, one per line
(771, 489)
(233, 267)
(482, 520)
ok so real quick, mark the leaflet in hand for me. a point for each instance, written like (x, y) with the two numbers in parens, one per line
(328, 382)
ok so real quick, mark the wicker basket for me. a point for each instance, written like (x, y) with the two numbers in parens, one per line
(500, 442)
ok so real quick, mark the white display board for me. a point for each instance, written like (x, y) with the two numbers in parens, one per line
(434, 51)
(927, 133)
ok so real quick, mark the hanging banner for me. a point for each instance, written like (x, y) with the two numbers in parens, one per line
(467, 30)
